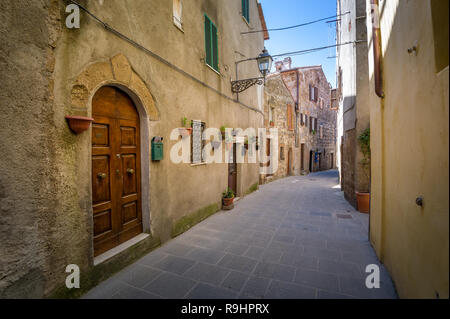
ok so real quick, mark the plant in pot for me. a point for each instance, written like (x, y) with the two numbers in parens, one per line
(222, 131)
(272, 123)
(227, 197)
(246, 143)
(363, 196)
(185, 130)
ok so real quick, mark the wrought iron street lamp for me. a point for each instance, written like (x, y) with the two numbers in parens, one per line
(264, 61)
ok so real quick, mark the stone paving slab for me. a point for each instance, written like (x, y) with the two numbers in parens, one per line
(293, 238)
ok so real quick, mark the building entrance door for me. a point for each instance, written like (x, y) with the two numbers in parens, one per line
(232, 170)
(116, 178)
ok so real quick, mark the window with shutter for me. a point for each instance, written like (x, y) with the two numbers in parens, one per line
(316, 94)
(197, 142)
(246, 10)
(311, 93)
(211, 44)
(310, 124)
(177, 13)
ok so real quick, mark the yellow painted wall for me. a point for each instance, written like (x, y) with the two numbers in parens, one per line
(410, 145)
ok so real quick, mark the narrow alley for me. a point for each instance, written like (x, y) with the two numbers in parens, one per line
(296, 237)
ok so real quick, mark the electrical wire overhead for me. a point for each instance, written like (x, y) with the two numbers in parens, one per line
(312, 50)
(298, 25)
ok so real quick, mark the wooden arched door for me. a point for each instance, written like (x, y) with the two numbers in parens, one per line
(116, 179)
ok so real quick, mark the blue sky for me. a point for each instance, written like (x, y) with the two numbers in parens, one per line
(282, 13)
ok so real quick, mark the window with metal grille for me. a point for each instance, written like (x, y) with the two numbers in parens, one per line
(197, 142)
(211, 44)
(246, 10)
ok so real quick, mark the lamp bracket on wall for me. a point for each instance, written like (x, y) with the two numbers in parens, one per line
(239, 86)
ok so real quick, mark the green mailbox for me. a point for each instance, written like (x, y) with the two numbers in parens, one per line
(157, 148)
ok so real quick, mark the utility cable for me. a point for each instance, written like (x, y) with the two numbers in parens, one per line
(296, 26)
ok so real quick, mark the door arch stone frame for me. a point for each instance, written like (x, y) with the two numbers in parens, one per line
(118, 72)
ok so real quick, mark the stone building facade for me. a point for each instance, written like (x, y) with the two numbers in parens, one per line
(352, 96)
(279, 113)
(60, 192)
(309, 142)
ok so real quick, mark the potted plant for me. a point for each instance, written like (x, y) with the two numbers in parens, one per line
(227, 197)
(313, 132)
(222, 131)
(184, 130)
(246, 143)
(272, 123)
(363, 196)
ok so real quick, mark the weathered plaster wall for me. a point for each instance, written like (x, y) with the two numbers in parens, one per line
(353, 116)
(409, 144)
(45, 183)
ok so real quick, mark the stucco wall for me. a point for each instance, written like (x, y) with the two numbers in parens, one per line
(45, 182)
(409, 144)
(353, 116)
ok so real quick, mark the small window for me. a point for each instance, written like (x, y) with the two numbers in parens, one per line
(211, 44)
(281, 153)
(246, 10)
(197, 143)
(178, 13)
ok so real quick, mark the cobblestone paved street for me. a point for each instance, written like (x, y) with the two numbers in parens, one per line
(293, 238)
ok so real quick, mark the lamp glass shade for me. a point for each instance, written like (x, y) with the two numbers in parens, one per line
(264, 62)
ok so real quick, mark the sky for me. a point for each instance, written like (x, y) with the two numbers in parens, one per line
(283, 13)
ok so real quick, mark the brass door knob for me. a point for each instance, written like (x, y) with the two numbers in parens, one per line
(130, 171)
(101, 175)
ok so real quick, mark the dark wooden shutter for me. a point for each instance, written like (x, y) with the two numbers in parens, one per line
(310, 92)
(290, 118)
(316, 94)
(208, 41)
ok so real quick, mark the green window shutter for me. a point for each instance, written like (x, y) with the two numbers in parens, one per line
(215, 49)
(245, 10)
(208, 40)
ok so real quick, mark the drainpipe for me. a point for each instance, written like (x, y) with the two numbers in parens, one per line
(376, 39)
(297, 109)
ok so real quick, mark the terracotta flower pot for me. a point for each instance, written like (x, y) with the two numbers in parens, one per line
(185, 131)
(363, 200)
(227, 201)
(79, 124)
